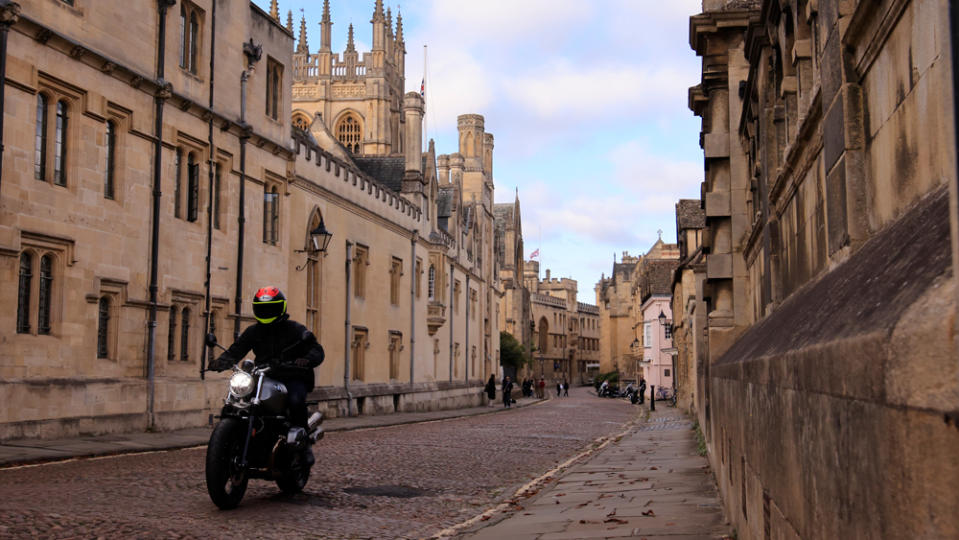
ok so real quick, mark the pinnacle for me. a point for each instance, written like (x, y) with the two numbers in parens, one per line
(350, 45)
(303, 47)
(274, 10)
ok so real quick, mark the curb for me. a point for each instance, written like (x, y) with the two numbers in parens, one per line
(50, 460)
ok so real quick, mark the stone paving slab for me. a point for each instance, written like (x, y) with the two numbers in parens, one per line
(30, 451)
(648, 483)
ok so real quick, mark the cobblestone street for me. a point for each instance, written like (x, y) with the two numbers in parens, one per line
(402, 481)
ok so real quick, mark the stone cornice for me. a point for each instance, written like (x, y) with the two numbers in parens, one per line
(712, 22)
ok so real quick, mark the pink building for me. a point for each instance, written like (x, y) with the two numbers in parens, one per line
(657, 342)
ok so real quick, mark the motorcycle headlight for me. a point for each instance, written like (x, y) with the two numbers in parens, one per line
(241, 384)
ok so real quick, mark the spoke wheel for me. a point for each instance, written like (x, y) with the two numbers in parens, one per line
(225, 481)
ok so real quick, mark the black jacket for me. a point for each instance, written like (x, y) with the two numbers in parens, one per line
(269, 341)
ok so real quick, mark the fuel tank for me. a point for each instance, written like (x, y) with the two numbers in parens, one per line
(273, 396)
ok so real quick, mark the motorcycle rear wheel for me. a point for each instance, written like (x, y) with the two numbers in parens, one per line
(294, 480)
(224, 482)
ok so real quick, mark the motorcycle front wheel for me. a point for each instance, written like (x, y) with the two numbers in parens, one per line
(225, 482)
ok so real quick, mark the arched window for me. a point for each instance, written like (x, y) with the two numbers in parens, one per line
(348, 132)
(431, 289)
(193, 188)
(46, 293)
(40, 157)
(108, 187)
(23, 294)
(60, 148)
(300, 122)
(103, 327)
(185, 335)
(171, 336)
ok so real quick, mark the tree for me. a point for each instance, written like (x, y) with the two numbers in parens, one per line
(511, 352)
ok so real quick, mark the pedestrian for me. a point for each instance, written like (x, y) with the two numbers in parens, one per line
(541, 388)
(565, 388)
(507, 392)
(642, 390)
(559, 389)
(527, 387)
(491, 388)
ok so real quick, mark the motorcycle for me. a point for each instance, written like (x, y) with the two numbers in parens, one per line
(254, 438)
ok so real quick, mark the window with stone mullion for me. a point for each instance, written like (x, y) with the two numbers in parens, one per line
(60, 145)
(103, 325)
(40, 156)
(185, 335)
(46, 292)
(108, 186)
(23, 295)
(193, 188)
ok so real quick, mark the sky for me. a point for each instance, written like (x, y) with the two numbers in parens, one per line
(586, 100)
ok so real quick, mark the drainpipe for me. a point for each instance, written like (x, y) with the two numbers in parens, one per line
(412, 302)
(163, 93)
(451, 321)
(346, 334)
(209, 191)
(9, 13)
(466, 355)
(954, 38)
(253, 53)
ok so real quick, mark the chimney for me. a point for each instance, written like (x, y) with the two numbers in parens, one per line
(413, 113)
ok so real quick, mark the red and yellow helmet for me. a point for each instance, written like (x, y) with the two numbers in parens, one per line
(269, 303)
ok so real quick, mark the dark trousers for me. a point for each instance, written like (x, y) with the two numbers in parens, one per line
(507, 398)
(296, 402)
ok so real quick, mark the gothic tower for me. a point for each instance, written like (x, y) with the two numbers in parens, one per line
(359, 100)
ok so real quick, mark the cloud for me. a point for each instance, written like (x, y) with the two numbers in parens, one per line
(604, 93)
(500, 23)
(658, 180)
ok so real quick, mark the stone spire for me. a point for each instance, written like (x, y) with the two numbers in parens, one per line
(378, 12)
(399, 27)
(350, 46)
(303, 47)
(289, 20)
(326, 12)
(325, 28)
(274, 10)
(389, 20)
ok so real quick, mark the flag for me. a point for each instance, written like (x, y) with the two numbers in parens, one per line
(534, 254)
(423, 87)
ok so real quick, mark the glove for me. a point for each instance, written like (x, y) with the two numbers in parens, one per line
(219, 364)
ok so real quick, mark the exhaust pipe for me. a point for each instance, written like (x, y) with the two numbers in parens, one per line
(313, 424)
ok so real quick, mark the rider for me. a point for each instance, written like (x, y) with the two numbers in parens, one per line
(285, 344)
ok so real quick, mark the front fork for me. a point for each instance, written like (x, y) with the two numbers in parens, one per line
(249, 426)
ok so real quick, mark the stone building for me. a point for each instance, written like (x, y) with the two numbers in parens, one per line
(565, 331)
(829, 381)
(155, 174)
(634, 341)
(515, 316)
(688, 307)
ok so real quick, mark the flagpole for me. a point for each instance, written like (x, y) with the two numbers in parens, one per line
(423, 91)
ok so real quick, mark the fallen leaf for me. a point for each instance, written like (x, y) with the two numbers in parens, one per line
(615, 520)
(654, 468)
(484, 518)
(649, 513)
(649, 502)
(670, 524)
(611, 514)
